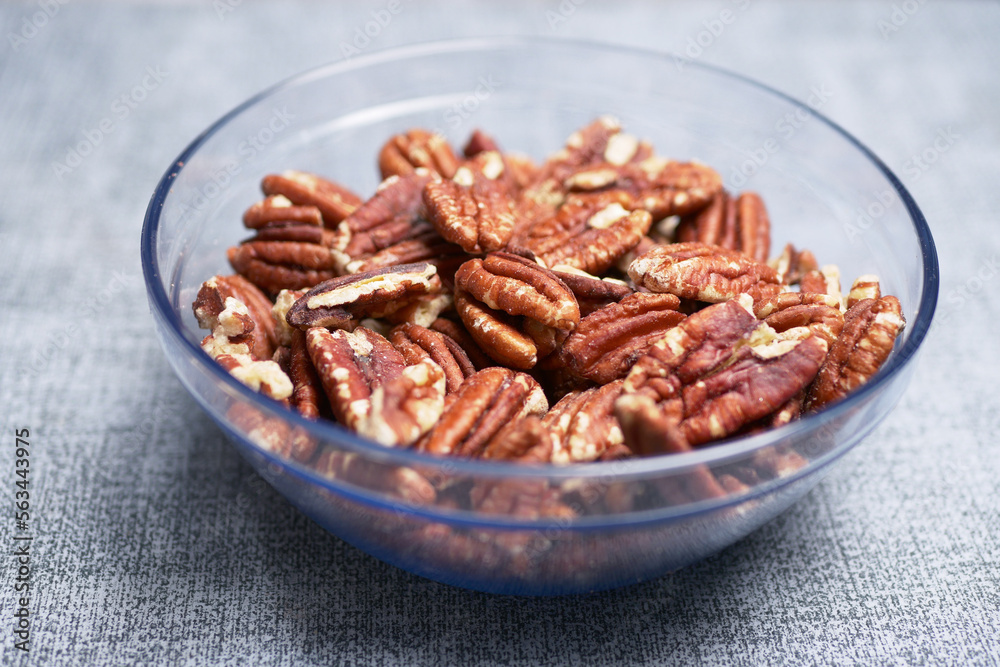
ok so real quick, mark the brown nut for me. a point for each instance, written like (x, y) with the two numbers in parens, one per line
(342, 301)
(739, 223)
(483, 404)
(703, 272)
(350, 365)
(609, 341)
(277, 210)
(588, 232)
(474, 208)
(520, 287)
(583, 424)
(869, 335)
(819, 312)
(211, 302)
(334, 201)
(418, 344)
(405, 407)
(405, 153)
(295, 256)
(395, 213)
(496, 333)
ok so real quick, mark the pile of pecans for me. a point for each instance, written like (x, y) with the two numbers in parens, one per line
(606, 303)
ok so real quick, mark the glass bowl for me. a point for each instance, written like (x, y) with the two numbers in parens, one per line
(824, 191)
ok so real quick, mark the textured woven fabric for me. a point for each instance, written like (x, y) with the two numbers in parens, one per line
(155, 543)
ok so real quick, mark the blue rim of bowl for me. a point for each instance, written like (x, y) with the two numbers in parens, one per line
(638, 468)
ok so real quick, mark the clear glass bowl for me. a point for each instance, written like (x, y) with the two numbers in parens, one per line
(824, 191)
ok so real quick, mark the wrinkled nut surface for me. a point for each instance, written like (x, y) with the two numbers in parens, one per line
(869, 335)
(473, 209)
(334, 201)
(210, 303)
(703, 272)
(739, 223)
(520, 287)
(483, 404)
(341, 302)
(405, 153)
(350, 365)
(588, 233)
(608, 342)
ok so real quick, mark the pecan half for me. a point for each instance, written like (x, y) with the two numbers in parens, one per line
(588, 232)
(342, 301)
(483, 404)
(694, 348)
(869, 335)
(496, 333)
(516, 310)
(609, 341)
(393, 214)
(334, 201)
(583, 424)
(262, 338)
(286, 256)
(405, 153)
(473, 209)
(703, 272)
(518, 286)
(418, 344)
(277, 210)
(350, 365)
(739, 223)
(405, 407)
(592, 293)
(460, 335)
(819, 312)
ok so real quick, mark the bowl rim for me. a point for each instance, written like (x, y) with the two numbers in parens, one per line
(640, 467)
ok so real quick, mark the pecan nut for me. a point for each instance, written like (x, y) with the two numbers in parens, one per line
(262, 337)
(721, 369)
(474, 208)
(405, 153)
(870, 330)
(609, 341)
(703, 272)
(588, 232)
(483, 404)
(334, 201)
(739, 223)
(350, 365)
(342, 301)
(418, 344)
(405, 407)
(395, 213)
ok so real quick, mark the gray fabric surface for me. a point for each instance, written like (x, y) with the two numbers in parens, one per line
(156, 544)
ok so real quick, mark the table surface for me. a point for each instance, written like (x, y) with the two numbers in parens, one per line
(155, 543)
